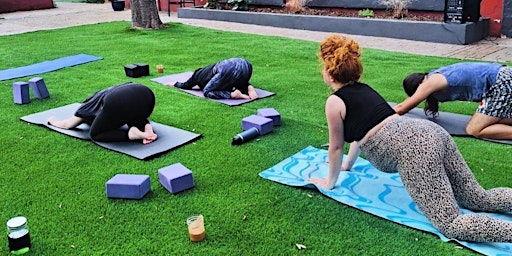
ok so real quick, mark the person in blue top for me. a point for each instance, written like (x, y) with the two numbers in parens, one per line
(487, 83)
(226, 79)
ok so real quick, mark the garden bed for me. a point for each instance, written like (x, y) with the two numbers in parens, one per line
(349, 12)
(418, 30)
(25, 5)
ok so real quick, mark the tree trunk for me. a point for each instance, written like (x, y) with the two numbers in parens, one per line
(145, 14)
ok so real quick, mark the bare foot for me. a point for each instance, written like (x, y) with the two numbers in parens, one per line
(147, 137)
(237, 94)
(171, 84)
(150, 134)
(135, 134)
(253, 95)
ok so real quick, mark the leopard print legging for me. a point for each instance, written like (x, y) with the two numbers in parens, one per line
(438, 179)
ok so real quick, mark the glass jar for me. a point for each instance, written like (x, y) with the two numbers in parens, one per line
(196, 230)
(159, 68)
(19, 237)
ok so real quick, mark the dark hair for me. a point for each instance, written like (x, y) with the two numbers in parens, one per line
(411, 83)
(431, 106)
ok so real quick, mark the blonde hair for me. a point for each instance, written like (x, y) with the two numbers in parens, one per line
(341, 58)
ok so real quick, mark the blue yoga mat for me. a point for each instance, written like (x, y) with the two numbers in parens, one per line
(47, 66)
(370, 190)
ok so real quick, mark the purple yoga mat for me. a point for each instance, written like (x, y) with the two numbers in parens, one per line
(182, 77)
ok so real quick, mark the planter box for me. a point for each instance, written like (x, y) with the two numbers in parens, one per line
(118, 5)
(279, 3)
(25, 5)
(439, 32)
(506, 23)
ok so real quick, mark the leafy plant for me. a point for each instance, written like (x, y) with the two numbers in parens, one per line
(211, 4)
(397, 8)
(366, 13)
(239, 5)
(296, 5)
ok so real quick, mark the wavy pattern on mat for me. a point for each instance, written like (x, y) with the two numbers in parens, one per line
(370, 190)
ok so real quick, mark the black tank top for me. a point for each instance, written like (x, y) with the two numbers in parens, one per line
(365, 108)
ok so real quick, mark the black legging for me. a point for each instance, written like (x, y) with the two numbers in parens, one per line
(129, 104)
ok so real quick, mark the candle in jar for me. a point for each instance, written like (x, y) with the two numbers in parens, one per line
(19, 237)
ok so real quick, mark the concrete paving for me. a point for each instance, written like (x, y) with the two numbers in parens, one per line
(75, 14)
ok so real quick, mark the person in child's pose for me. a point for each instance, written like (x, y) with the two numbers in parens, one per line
(487, 83)
(226, 79)
(109, 109)
(431, 167)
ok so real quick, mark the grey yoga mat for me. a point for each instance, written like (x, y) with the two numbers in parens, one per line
(182, 77)
(454, 124)
(168, 137)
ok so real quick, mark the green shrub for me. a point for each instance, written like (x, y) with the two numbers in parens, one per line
(366, 13)
(239, 5)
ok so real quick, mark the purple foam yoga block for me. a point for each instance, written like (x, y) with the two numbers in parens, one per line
(176, 178)
(270, 113)
(128, 186)
(20, 92)
(263, 124)
(38, 88)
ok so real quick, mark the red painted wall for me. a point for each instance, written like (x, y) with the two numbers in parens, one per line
(24, 5)
(493, 9)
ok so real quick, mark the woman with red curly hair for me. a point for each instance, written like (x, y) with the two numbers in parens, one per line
(431, 167)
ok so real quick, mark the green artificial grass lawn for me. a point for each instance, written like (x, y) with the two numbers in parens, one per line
(58, 182)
